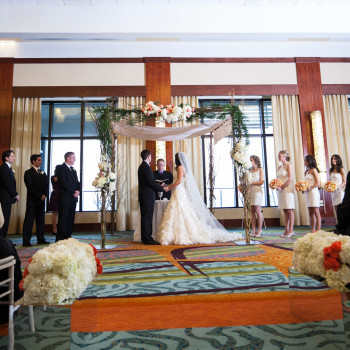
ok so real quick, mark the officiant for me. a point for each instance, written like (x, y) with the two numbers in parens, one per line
(163, 176)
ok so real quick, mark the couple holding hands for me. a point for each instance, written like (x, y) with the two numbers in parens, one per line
(186, 220)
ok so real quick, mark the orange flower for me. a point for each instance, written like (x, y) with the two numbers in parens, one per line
(331, 257)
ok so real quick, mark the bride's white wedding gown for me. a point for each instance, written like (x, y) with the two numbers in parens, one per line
(182, 226)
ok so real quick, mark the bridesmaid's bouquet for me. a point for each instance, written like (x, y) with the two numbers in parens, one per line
(275, 183)
(301, 186)
(330, 186)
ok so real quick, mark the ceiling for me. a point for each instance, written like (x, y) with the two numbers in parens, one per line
(174, 28)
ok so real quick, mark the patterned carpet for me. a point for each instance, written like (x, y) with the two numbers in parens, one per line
(223, 296)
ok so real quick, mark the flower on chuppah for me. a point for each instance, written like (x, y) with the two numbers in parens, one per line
(151, 108)
(326, 256)
(330, 186)
(60, 272)
(301, 186)
(172, 114)
(105, 179)
(239, 155)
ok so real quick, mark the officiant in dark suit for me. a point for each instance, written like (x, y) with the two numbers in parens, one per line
(163, 176)
(8, 192)
(68, 194)
(147, 188)
(37, 185)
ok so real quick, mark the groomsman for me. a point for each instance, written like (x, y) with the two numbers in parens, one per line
(67, 196)
(37, 185)
(163, 176)
(8, 192)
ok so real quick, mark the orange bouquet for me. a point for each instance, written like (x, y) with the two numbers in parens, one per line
(301, 186)
(275, 183)
(330, 186)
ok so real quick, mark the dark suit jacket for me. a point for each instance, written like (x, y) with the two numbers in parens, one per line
(166, 175)
(8, 191)
(147, 185)
(69, 183)
(37, 185)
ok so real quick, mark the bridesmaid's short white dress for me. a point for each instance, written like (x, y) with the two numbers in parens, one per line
(256, 194)
(312, 197)
(286, 196)
(338, 194)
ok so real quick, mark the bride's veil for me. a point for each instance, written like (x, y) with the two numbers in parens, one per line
(200, 207)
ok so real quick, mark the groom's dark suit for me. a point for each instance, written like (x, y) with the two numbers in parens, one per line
(147, 188)
(8, 195)
(69, 183)
(37, 185)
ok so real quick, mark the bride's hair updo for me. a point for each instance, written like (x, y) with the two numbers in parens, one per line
(286, 154)
(177, 160)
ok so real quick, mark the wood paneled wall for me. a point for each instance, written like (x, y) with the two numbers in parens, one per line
(311, 99)
(6, 81)
(158, 89)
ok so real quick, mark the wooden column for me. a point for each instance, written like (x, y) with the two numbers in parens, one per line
(158, 89)
(6, 83)
(311, 99)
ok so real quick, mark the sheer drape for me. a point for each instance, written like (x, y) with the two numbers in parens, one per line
(25, 141)
(192, 147)
(337, 118)
(129, 158)
(287, 136)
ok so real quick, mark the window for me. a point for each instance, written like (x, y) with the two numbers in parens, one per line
(258, 118)
(68, 126)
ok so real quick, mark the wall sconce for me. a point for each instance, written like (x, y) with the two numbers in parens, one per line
(319, 150)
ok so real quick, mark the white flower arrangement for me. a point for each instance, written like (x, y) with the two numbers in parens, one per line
(105, 179)
(324, 255)
(239, 155)
(151, 108)
(60, 272)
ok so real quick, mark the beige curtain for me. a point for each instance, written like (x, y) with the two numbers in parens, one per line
(287, 136)
(192, 147)
(129, 159)
(337, 118)
(25, 141)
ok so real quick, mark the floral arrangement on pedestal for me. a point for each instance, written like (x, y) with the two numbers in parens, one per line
(60, 272)
(324, 256)
(105, 181)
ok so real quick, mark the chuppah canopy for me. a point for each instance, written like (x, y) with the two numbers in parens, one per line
(220, 129)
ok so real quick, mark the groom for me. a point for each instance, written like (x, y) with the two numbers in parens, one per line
(147, 188)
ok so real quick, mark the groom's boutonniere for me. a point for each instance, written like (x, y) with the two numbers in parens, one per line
(13, 170)
(42, 173)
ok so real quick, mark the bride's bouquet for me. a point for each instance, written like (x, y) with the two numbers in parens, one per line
(301, 186)
(330, 186)
(275, 183)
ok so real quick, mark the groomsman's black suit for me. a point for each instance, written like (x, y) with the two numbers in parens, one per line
(147, 188)
(69, 183)
(8, 195)
(168, 177)
(37, 185)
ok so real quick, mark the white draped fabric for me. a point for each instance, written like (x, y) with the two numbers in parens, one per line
(128, 158)
(25, 141)
(337, 118)
(287, 136)
(219, 129)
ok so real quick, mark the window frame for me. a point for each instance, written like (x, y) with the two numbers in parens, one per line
(263, 137)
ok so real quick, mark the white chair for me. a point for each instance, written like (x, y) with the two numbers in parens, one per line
(9, 263)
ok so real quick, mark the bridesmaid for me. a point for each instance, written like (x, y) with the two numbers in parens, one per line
(312, 193)
(285, 192)
(256, 195)
(337, 174)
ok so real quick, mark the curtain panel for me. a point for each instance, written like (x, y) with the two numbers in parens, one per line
(337, 120)
(25, 141)
(287, 136)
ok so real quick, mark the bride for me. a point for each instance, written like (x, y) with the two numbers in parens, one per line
(187, 220)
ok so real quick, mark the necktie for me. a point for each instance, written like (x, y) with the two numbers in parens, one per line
(71, 168)
(38, 171)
